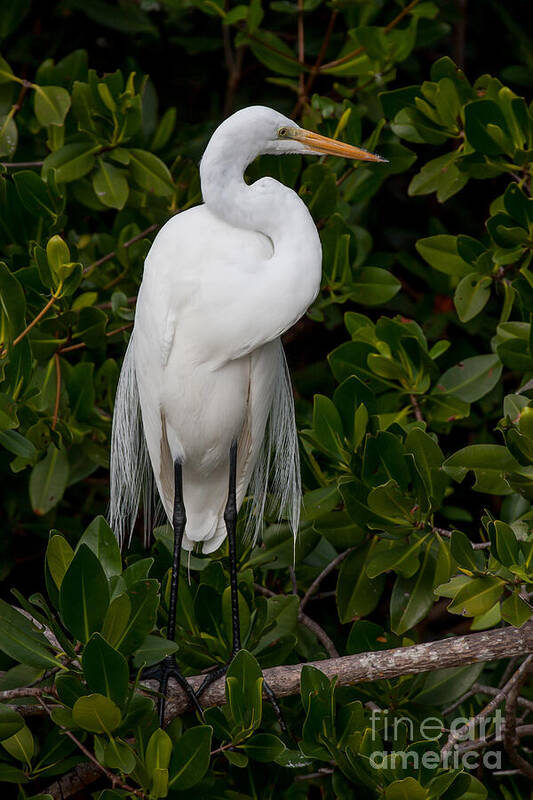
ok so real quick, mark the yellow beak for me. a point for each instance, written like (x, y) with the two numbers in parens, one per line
(322, 145)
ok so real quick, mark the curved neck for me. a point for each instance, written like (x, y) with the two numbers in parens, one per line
(289, 280)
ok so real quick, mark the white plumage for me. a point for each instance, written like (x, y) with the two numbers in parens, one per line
(205, 366)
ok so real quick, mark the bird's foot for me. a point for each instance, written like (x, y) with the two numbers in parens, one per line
(218, 672)
(162, 672)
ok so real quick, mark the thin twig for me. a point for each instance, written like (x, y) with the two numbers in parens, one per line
(320, 634)
(111, 776)
(348, 57)
(109, 304)
(58, 390)
(492, 691)
(325, 572)
(21, 164)
(27, 691)
(416, 407)
(508, 671)
(80, 345)
(316, 67)
(301, 50)
(309, 623)
(320, 773)
(448, 535)
(510, 737)
(34, 321)
(221, 749)
(112, 254)
(501, 695)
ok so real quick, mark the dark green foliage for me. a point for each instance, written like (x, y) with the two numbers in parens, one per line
(413, 374)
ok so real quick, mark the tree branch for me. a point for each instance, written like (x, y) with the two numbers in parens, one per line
(511, 738)
(325, 572)
(455, 651)
(502, 694)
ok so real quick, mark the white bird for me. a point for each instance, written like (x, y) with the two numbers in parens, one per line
(204, 375)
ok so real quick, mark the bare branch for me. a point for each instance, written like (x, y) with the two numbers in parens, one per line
(74, 781)
(454, 651)
(325, 572)
(502, 694)
(510, 736)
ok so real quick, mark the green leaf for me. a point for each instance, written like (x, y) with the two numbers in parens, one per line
(84, 595)
(33, 193)
(70, 162)
(483, 119)
(515, 610)
(119, 755)
(441, 175)
(272, 51)
(472, 295)
(443, 686)
(99, 537)
(144, 601)
(471, 379)
(10, 722)
(401, 557)
(406, 789)
(11, 774)
(244, 685)
(12, 305)
(158, 751)
(190, 758)
(20, 745)
(105, 669)
(373, 286)
(20, 640)
(465, 555)
(8, 136)
(59, 554)
(51, 104)
(6, 73)
(116, 619)
(327, 425)
(441, 253)
(153, 650)
(489, 462)
(412, 598)
(357, 595)
(19, 445)
(164, 130)
(57, 253)
(150, 173)
(110, 185)
(477, 596)
(264, 747)
(505, 545)
(96, 713)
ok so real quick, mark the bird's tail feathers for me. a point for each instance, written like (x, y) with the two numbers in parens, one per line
(276, 474)
(131, 477)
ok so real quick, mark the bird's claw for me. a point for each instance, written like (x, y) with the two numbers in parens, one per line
(162, 672)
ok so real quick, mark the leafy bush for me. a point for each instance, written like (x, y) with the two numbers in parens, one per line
(417, 453)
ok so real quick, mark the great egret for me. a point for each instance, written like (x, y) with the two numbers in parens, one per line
(204, 402)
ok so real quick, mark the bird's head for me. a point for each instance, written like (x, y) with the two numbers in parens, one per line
(258, 130)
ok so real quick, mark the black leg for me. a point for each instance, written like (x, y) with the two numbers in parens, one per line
(169, 668)
(230, 518)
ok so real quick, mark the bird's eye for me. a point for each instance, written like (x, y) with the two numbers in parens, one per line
(283, 132)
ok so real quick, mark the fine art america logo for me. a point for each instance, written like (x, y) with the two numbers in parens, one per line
(467, 748)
